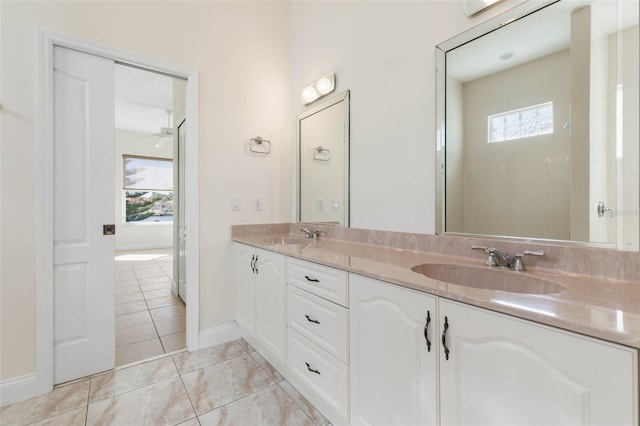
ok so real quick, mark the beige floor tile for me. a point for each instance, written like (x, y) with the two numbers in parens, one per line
(150, 273)
(160, 302)
(190, 422)
(129, 320)
(60, 400)
(170, 325)
(156, 286)
(138, 351)
(272, 372)
(246, 345)
(165, 279)
(129, 298)
(135, 334)
(174, 342)
(131, 378)
(305, 405)
(214, 386)
(129, 308)
(168, 312)
(75, 417)
(128, 289)
(190, 361)
(270, 406)
(152, 294)
(165, 403)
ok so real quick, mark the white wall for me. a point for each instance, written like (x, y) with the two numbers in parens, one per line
(138, 236)
(384, 53)
(243, 53)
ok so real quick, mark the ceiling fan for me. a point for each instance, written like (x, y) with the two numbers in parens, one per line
(164, 134)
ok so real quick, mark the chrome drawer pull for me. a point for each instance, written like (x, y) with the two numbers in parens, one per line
(313, 280)
(311, 369)
(311, 320)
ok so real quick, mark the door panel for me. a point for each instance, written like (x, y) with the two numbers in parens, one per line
(84, 335)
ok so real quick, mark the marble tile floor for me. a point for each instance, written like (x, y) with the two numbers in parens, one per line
(229, 384)
(150, 320)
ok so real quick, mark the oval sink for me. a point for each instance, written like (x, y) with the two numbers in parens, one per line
(489, 278)
(277, 241)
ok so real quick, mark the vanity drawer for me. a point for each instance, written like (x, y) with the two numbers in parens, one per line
(325, 375)
(320, 280)
(319, 320)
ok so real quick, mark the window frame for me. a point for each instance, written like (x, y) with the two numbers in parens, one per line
(520, 123)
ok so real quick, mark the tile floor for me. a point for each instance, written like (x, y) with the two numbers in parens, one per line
(150, 320)
(229, 384)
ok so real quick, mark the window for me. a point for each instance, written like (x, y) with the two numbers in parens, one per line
(148, 189)
(521, 123)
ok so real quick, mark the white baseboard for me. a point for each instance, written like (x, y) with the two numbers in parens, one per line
(17, 389)
(220, 334)
(150, 246)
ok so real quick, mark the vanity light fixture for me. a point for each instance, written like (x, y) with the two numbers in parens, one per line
(471, 7)
(319, 88)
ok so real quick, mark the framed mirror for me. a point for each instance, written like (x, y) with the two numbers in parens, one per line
(323, 162)
(537, 118)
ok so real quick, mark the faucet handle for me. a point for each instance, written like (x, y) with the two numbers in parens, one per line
(485, 248)
(317, 233)
(518, 264)
(307, 232)
(492, 260)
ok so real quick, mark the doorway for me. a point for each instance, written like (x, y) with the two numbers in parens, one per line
(45, 333)
(150, 312)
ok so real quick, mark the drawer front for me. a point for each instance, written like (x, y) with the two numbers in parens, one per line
(323, 373)
(319, 320)
(320, 280)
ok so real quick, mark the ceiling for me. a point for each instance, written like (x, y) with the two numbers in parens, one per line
(540, 34)
(143, 99)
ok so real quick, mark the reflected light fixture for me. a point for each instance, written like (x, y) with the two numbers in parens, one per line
(471, 7)
(319, 88)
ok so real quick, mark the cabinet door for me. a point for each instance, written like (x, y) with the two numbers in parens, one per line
(506, 371)
(393, 374)
(270, 303)
(245, 288)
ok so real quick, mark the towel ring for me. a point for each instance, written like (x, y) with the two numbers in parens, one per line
(259, 145)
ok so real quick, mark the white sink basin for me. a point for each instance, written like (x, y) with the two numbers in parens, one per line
(489, 278)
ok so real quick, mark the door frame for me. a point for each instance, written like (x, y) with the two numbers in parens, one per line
(46, 39)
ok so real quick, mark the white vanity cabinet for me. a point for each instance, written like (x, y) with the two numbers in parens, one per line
(260, 299)
(393, 370)
(506, 371)
(318, 338)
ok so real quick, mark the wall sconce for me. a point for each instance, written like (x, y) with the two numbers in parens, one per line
(318, 89)
(471, 7)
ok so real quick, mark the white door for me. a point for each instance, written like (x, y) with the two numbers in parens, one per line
(270, 308)
(393, 362)
(180, 236)
(505, 371)
(84, 335)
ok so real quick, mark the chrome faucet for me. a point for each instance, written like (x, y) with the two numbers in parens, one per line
(312, 235)
(308, 233)
(501, 259)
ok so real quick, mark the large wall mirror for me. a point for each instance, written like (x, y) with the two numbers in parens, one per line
(538, 125)
(323, 162)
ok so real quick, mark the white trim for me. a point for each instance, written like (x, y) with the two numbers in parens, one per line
(46, 39)
(220, 334)
(17, 389)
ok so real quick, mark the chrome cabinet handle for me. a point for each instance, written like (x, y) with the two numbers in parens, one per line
(444, 339)
(311, 320)
(313, 280)
(311, 369)
(426, 332)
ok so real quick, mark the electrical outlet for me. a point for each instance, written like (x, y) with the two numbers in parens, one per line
(235, 202)
(335, 205)
(319, 204)
(257, 203)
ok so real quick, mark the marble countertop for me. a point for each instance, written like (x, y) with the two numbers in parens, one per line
(596, 307)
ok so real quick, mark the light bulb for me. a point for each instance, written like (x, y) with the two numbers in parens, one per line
(309, 94)
(323, 85)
